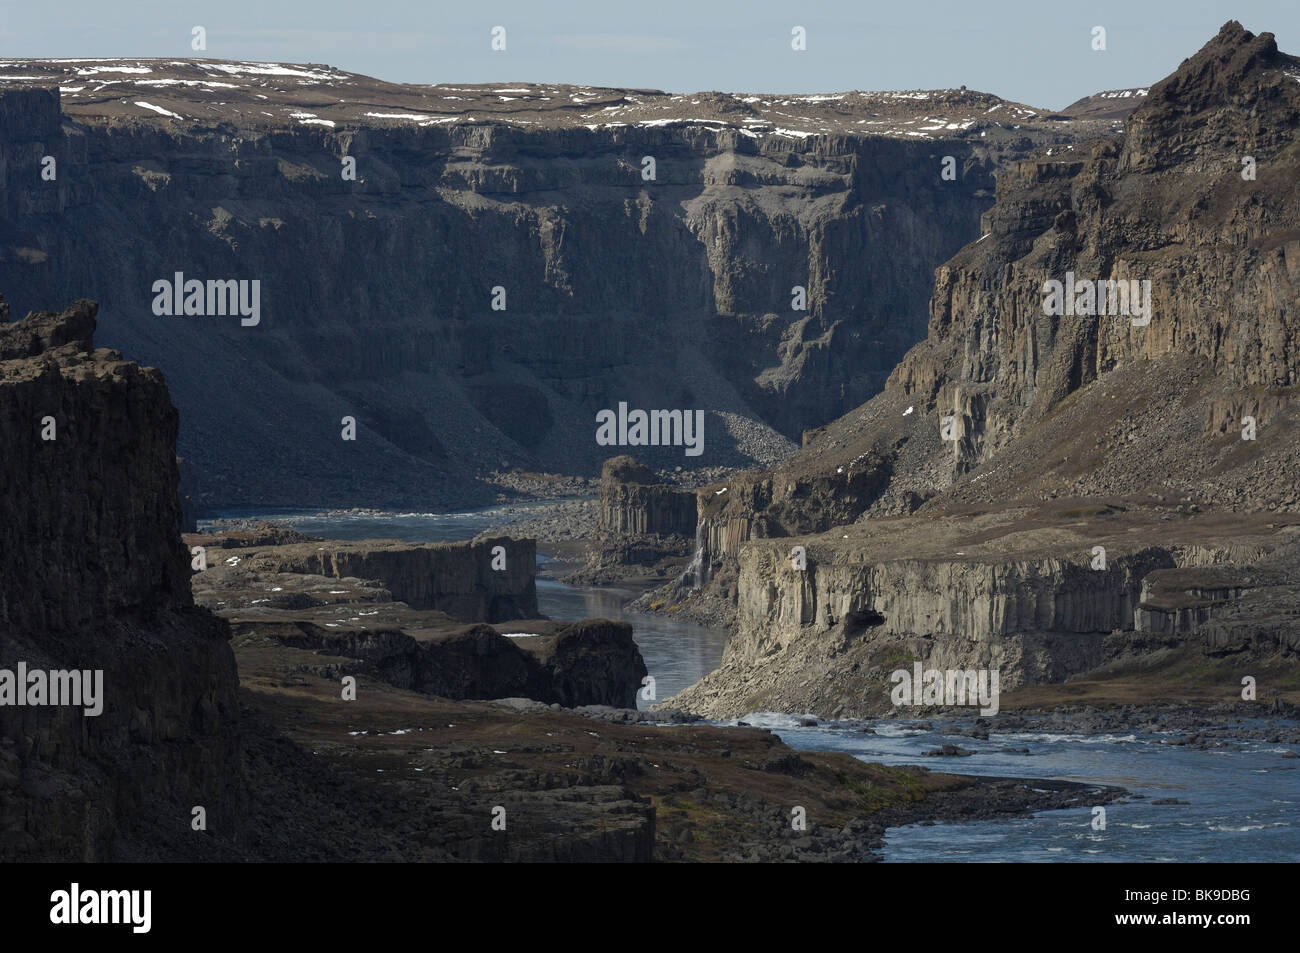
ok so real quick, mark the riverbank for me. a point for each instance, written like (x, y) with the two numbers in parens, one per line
(593, 784)
(720, 792)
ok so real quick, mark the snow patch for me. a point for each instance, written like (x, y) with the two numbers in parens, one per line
(159, 109)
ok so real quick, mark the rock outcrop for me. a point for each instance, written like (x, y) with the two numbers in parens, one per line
(634, 503)
(645, 529)
(1034, 593)
(456, 578)
(592, 662)
(341, 600)
(93, 577)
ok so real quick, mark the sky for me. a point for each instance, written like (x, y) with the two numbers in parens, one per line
(1037, 52)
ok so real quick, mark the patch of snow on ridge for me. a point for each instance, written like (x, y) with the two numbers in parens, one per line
(91, 71)
(270, 69)
(665, 122)
(185, 82)
(159, 109)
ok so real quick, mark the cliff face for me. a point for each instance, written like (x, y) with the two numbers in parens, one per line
(377, 294)
(592, 662)
(1005, 404)
(1076, 404)
(93, 576)
(456, 578)
(1017, 590)
(634, 503)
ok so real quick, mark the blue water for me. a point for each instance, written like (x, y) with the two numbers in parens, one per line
(1244, 805)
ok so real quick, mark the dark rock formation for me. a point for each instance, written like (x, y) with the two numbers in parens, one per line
(592, 662)
(634, 503)
(93, 576)
(277, 592)
(646, 529)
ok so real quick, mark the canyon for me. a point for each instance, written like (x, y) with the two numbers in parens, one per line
(225, 737)
(1081, 503)
(381, 219)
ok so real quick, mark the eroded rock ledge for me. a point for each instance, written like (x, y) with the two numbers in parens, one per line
(1013, 589)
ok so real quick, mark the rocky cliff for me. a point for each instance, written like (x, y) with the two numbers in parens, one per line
(503, 265)
(1042, 404)
(1006, 403)
(488, 580)
(1017, 589)
(633, 502)
(93, 577)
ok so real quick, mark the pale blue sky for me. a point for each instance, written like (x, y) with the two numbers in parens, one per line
(1034, 51)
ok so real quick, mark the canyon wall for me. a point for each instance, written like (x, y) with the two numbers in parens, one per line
(377, 294)
(1088, 421)
(1039, 405)
(1019, 590)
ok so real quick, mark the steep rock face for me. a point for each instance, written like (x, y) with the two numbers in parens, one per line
(1232, 608)
(645, 528)
(455, 578)
(1002, 401)
(93, 576)
(593, 659)
(1018, 590)
(1168, 204)
(675, 292)
(632, 502)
